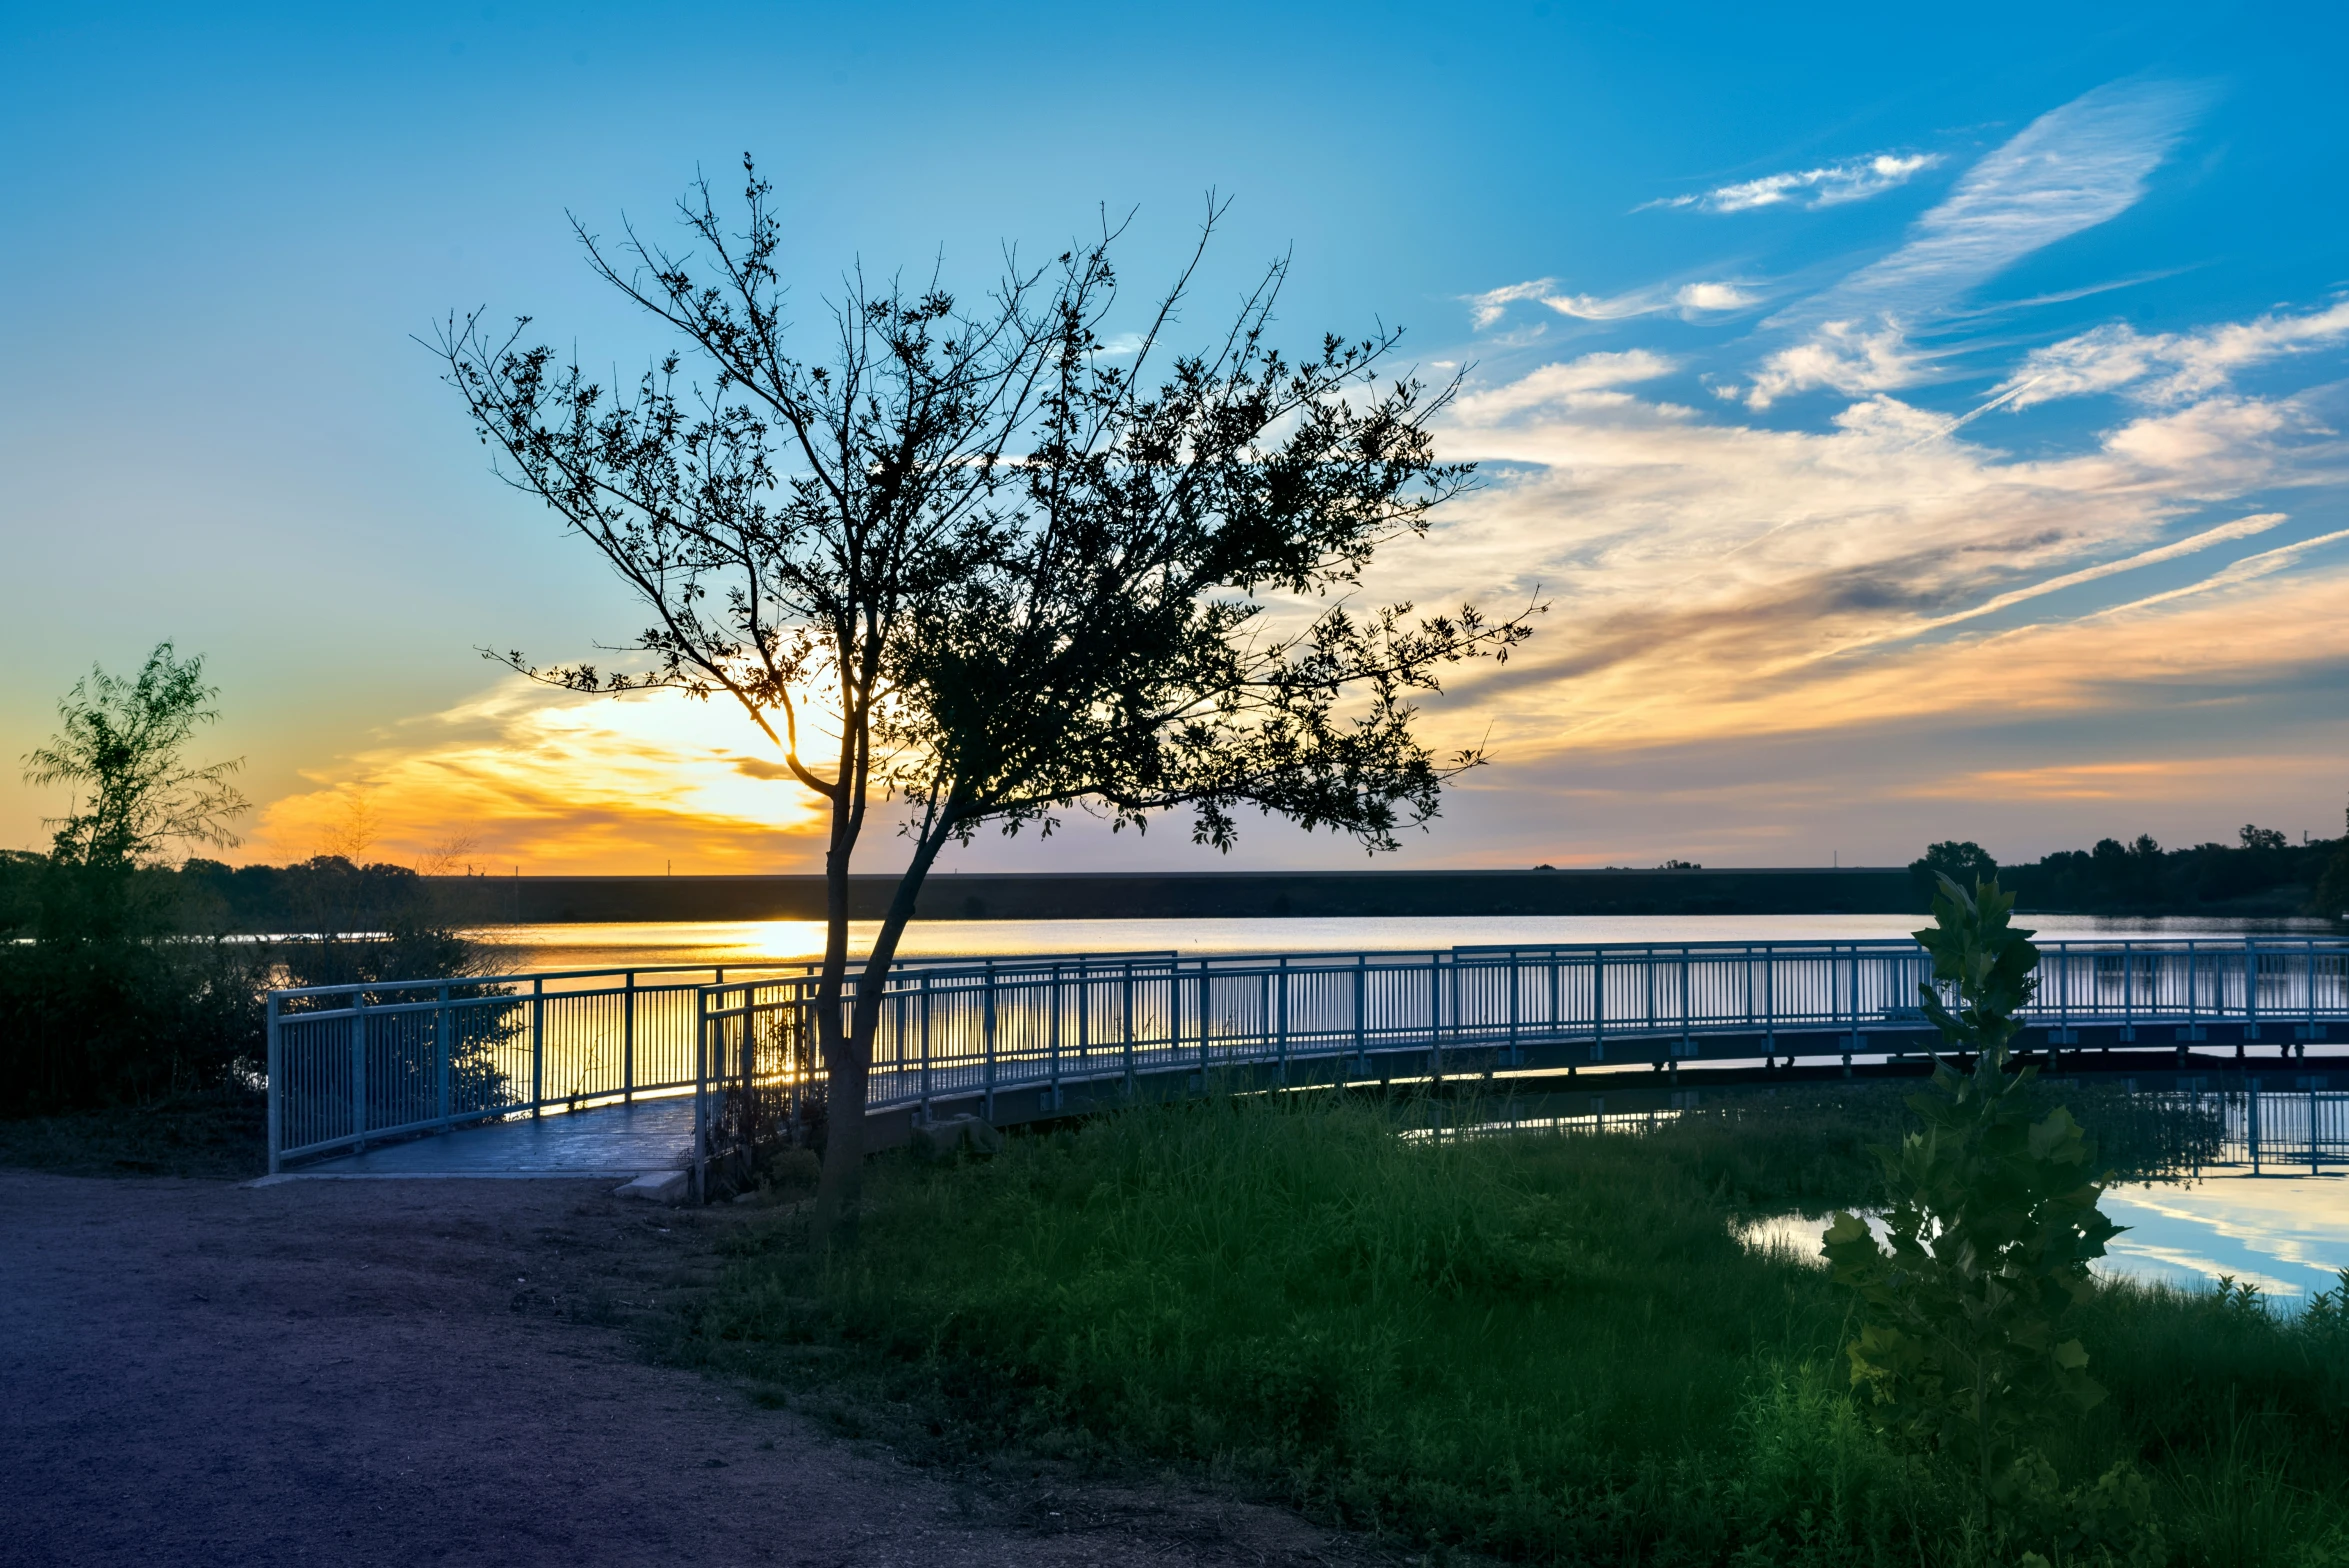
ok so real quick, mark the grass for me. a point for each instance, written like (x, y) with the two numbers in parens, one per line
(1545, 1348)
(220, 1136)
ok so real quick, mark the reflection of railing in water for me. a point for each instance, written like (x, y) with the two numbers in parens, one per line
(350, 1064)
(2300, 1131)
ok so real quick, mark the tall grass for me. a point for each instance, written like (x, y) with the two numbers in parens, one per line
(1548, 1348)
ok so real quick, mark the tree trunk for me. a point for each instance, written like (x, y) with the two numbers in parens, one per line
(849, 1072)
(832, 1047)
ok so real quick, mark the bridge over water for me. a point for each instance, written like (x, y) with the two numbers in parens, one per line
(625, 1071)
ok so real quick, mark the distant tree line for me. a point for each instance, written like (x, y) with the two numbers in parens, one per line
(2261, 873)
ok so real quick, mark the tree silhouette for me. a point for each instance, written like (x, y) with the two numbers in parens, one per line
(1014, 573)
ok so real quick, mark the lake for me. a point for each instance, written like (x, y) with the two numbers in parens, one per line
(740, 942)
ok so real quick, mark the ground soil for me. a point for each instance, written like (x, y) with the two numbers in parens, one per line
(360, 1372)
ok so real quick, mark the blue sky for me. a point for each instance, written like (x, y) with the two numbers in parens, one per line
(1921, 424)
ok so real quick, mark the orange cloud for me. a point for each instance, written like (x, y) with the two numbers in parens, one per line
(524, 776)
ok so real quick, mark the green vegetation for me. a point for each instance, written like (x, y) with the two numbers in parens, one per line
(1992, 1221)
(1547, 1348)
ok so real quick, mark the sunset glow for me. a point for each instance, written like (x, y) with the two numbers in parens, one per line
(1965, 460)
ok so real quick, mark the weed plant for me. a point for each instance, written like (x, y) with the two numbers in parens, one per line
(1548, 1348)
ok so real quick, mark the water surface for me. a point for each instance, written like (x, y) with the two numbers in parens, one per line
(713, 942)
(2287, 1235)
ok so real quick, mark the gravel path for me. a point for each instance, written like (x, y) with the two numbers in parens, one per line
(407, 1372)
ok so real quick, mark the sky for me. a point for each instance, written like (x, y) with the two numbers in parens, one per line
(1918, 425)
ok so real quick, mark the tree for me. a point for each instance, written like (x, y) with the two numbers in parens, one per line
(1961, 860)
(122, 745)
(1015, 575)
(1991, 1224)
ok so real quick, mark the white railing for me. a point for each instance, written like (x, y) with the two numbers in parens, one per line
(354, 1064)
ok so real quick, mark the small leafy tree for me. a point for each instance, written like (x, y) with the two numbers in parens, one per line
(122, 745)
(1992, 1222)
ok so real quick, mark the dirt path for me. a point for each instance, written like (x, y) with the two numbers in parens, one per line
(399, 1373)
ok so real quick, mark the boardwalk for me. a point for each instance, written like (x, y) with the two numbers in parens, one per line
(1016, 1038)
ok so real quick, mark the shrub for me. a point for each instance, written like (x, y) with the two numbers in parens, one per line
(1992, 1222)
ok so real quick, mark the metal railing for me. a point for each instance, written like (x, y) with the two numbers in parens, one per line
(354, 1064)
(350, 1065)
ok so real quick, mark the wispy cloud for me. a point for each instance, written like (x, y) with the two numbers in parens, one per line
(2249, 568)
(1689, 299)
(2071, 169)
(2224, 533)
(2166, 367)
(1571, 384)
(1826, 186)
(1490, 306)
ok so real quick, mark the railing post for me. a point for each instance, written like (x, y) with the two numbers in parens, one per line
(2252, 1126)
(1126, 1022)
(1053, 1037)
(1361, 1020)
(628, 1040)
(1770, 1007)
(2129, 992)
(276, 1071)
(358, 1071)
(1598, 1004)
(1648, 976)
(1557, 1023)
(444, 1050)
(2192, 1005)
(989, 1039)
(1682, 1049)
(1281, 1011)
(2250, 988)
(1513, 988)
(2311, 969)
(1855, 1001)
(925, 1045)
(1206, 1000)
(1435, 1012)
(537, 1044)
(701, 1093)
(2063, 994)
